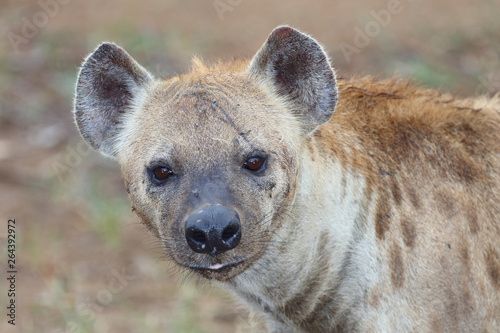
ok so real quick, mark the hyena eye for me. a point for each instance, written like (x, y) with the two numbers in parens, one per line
(255, 163)
(160, 173)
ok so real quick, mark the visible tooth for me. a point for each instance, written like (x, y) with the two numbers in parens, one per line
(216, 266)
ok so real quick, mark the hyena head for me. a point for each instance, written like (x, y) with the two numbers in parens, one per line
(210, 158)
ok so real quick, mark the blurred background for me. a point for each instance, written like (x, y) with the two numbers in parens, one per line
(84, 262)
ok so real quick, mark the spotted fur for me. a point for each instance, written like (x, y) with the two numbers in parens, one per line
(379, 208)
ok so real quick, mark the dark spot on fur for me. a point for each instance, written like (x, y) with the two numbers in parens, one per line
(382, 218)
(445, 203)
(310, 146)
(471, 215)
(259, 303)
(287, 191)
(396, 266)
(396, 192)
(466, 301)
(323, 309)
(269, 188)
(492, 259)
(343, 183)
(464, 255)
(465, 171)
(436, 325)
(451, 309)
(318, 133)
(306, 302)
(409, 232)
(374, 297)
(413, 197)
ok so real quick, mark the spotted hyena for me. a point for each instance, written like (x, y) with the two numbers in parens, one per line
(383, 216)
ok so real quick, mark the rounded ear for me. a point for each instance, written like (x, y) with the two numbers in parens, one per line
(109, 82)
(299, 70)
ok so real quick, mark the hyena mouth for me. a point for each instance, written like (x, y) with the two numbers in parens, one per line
(217, 267)
(219, 270)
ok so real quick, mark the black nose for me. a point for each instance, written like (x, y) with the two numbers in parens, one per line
(213, 230)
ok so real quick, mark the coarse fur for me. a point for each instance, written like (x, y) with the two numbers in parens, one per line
(377, 210)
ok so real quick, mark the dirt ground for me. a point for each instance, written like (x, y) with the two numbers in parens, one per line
(83, 261)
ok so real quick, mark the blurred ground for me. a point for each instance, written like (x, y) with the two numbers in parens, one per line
(84, 262)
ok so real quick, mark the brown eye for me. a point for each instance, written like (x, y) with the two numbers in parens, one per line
(254, 163)
(161, 173)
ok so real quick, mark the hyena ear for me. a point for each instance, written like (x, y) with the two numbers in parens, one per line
(299, 70)
(108, 85)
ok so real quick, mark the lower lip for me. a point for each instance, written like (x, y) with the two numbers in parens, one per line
(216, 267)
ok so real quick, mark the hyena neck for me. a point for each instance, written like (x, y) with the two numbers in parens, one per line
(298, 282)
